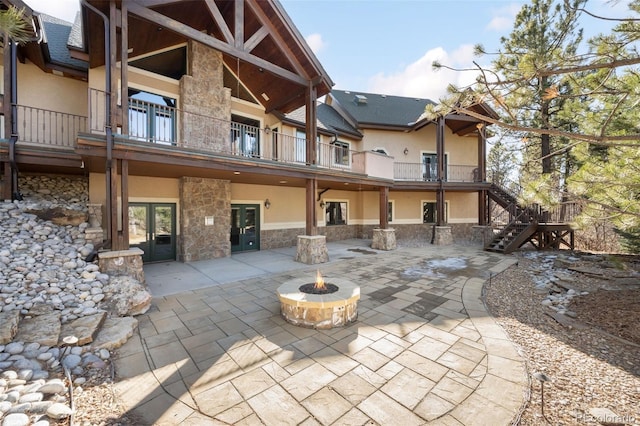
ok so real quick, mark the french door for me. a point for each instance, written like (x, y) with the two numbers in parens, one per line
(152, 228)
(245, 227)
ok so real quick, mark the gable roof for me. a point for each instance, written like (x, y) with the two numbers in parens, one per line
(257, 39)
(55, 40)
(328, 119)
(376, 110)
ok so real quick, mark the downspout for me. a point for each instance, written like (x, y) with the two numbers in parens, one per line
(108, 130)
(15, 193)
(13, 51)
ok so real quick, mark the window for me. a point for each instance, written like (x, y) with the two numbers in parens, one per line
(430, 212)
(340, 153)
(390, 211)
(152, 117)
(301, 146)
(336, 213)
(430, 167)
(245, 136)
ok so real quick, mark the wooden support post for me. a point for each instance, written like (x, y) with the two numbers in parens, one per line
(113, 214)
(311, 124)
(124, 196)
(6, 187)
(482, 207)
(311, 221)
(440, 199)
(384, 207)
(124, 69)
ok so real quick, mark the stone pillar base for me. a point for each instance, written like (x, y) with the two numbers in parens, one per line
(312, 249)
(122, 262)
(481, 234)
(94, 235)
(384, 239)
(442, 236)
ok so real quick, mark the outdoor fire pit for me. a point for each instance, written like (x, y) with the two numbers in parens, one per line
(319, 304)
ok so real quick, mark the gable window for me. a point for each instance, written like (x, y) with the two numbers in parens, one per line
(336, 213)
(430, 212)
(340, 153)
(245, 136)
(430, 167)
(152, 117)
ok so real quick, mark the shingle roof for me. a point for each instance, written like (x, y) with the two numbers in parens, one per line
(382, 110)
(75, 36)
(327, 119)
(57, 34)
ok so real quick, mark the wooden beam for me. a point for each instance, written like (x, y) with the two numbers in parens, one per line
(113, 197)
(311, 123)
(219, 20)
(282, 45)
(440, 200)
(256, 38)
(384, 207)
(6, 186)
(113, 58)
(238, 41)
(124, 69)
(311, 227)
(124, 196)
(191, 33)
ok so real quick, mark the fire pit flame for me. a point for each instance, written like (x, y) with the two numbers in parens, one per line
(319, 284)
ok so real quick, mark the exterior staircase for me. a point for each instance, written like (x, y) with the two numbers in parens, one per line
(522, 224)
(529, 224)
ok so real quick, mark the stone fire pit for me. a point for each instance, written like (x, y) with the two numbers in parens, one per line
(322, 311)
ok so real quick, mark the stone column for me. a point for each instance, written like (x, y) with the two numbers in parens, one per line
(442, 236)
(94, 233)
(312, 249)
(384, 239)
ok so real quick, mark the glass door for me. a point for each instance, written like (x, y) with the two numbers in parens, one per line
(245, 227)
(152, 228)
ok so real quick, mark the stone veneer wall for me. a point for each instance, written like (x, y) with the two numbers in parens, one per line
(200, 198)
(203, 99)
(279, 238)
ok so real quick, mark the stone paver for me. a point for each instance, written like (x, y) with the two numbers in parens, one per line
(423, 350)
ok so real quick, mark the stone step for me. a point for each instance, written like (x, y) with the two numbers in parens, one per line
(45, 328)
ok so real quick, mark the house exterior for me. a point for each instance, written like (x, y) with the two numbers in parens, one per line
(199, 129)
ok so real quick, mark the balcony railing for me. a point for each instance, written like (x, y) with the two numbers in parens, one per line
(164, 125)
(418, 172)
(51, 128)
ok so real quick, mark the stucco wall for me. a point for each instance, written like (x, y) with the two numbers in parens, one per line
(52, 92)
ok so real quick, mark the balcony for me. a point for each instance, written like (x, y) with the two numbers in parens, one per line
(53, 129)
(154, 124)
(419, 172)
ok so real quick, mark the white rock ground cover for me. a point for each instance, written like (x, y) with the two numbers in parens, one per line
(43, 264)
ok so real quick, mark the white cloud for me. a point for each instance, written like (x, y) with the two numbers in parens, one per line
(62, 9)
(419, 79)
(315, 42)
(504, 17)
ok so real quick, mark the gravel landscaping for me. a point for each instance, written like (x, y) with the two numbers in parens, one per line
(591, 352)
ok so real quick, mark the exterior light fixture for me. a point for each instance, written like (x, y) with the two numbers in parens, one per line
(267, 204)
(322, 204)
(406, 151)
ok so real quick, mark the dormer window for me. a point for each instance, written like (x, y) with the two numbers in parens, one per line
(361, 100)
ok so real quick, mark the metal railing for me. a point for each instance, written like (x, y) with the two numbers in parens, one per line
(52, 128)
(419, 172)
(160, 124)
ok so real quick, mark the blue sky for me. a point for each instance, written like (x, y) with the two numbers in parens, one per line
(387, 46)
